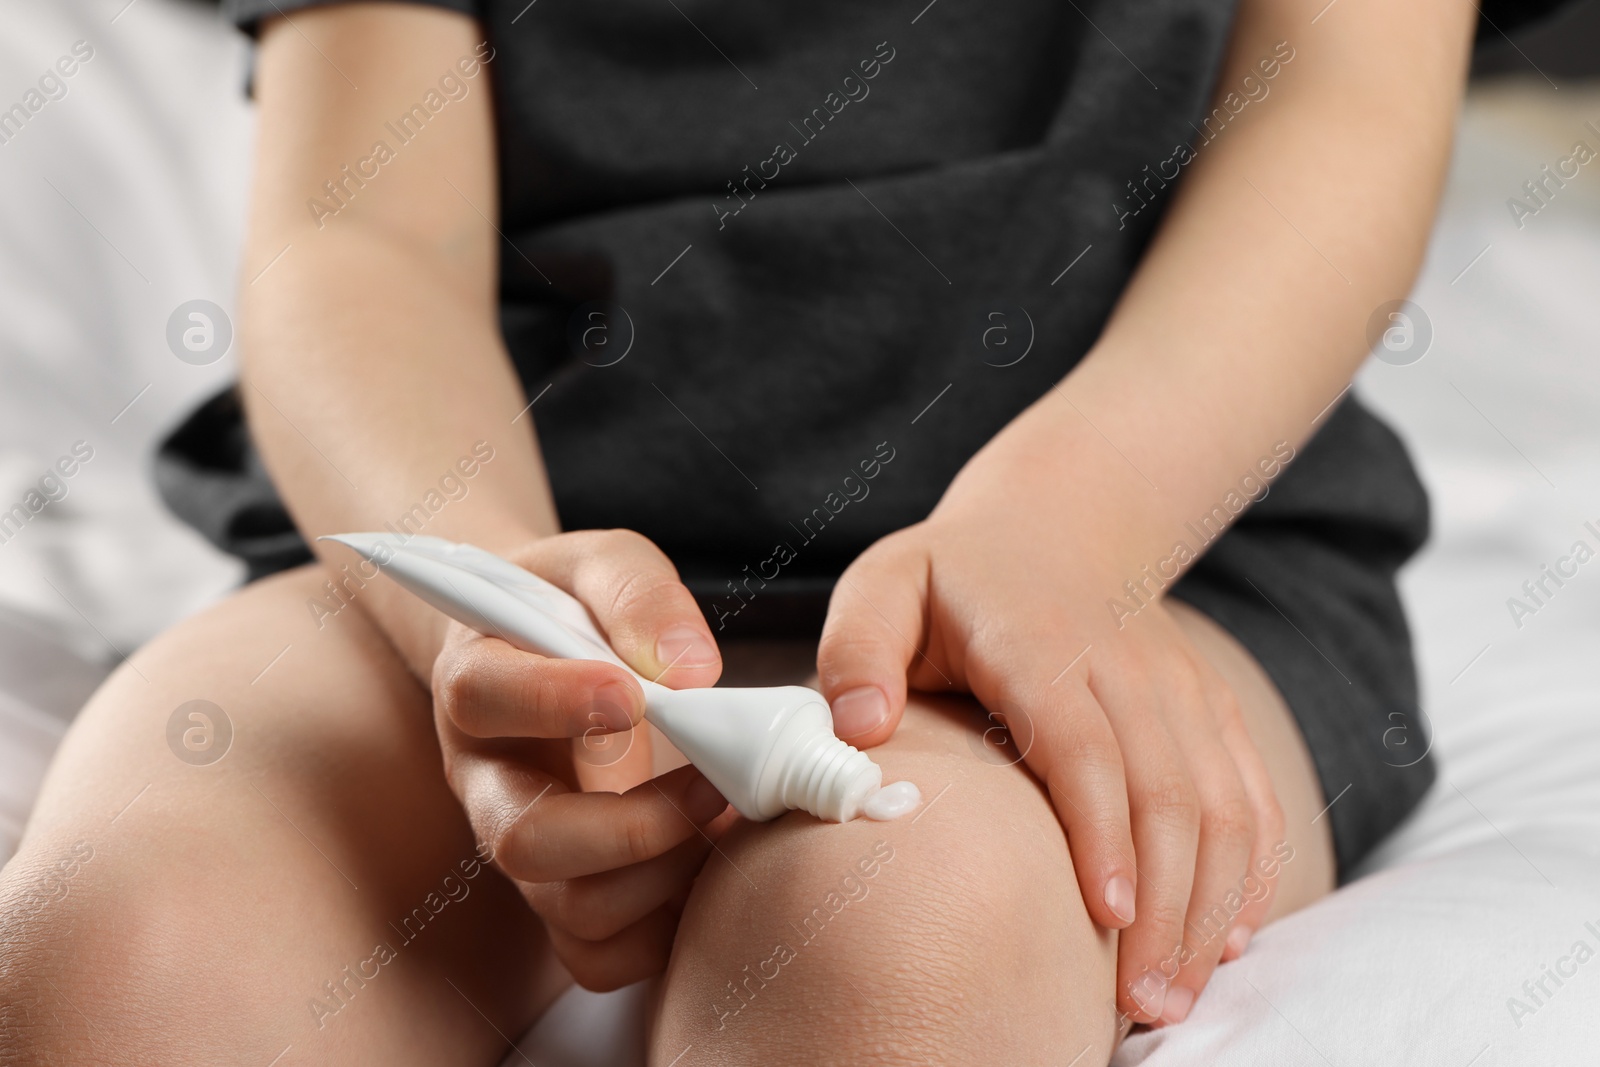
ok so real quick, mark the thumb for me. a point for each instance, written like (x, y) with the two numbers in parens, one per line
(874, 627)
(634, 593)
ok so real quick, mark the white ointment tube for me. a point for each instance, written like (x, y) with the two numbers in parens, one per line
(767, 750)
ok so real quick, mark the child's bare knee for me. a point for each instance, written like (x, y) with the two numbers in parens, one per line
(59, 1002)
(944, 940)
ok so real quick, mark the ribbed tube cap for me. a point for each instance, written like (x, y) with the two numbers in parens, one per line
(830, 779)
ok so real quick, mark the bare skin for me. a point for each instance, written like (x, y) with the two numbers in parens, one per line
(387, 749)
(973, 919)
(220, 899)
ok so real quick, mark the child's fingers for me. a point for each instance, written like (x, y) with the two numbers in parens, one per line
(634, 593)
(1164, 809)
(1072, 748)
(1227, 837)
(599, 906)
(1265, 856)
(569, 835)
(489, 689)
(637, 953)
(875, 621)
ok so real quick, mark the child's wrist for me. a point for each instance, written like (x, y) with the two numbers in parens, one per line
(1062, 475)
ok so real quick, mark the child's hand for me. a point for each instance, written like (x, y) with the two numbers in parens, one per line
(523, 736)
(1139, 741)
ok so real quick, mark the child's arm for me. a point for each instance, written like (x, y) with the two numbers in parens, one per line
(1249, 314)
(1245, 320)
(370, 358)
(372, 366)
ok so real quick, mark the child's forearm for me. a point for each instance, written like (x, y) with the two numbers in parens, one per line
(1248, 315)
(378, 401)
(372, 369)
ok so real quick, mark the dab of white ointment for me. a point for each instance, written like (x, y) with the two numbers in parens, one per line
(767, 750)
(893, 801)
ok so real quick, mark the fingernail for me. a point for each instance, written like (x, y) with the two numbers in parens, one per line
(1179, 1001)
(1119, 898)
(703, 802)
(612, 703)
(859, 711)
(1238, 938)
(685, 646)
(1153, 1001)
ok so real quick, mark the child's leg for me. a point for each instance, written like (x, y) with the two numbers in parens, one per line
(226, 912)
(221, 904)
(959, 937)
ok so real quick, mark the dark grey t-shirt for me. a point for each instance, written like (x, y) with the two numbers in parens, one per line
(773, 272)
(755, 252)
(752, 248)
(808, 226)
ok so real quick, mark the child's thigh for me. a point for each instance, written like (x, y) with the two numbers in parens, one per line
(957, 935)
(280, 866)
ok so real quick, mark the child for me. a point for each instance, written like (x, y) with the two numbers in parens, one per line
(960, 338)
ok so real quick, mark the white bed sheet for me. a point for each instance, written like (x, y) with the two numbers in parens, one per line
(118, 201)
(1489, 884)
